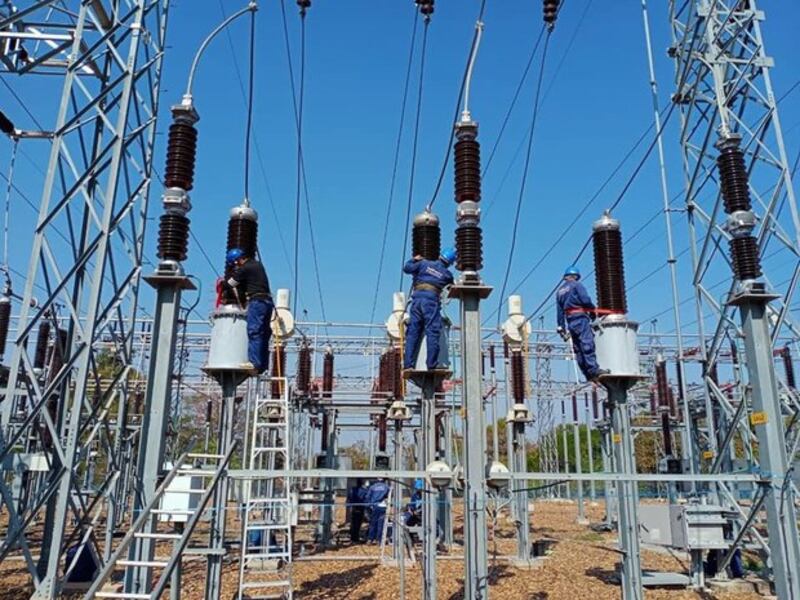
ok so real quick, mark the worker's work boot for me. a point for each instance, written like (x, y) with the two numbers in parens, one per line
(600, 373)
(248, 366)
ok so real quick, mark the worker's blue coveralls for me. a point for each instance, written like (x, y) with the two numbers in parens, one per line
(430, 278)
(573, 308)
(376, 498)
(251, 280)
(356, 500)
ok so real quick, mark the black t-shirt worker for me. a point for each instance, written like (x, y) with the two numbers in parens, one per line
(250, 284)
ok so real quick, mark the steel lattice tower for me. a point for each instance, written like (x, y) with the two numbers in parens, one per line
(87, 245)
(733, 152)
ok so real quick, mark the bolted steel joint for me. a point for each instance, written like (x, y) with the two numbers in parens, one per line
(176, 200)
(740, 223)
(468, 213)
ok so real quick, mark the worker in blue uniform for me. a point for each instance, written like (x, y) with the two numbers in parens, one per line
(575, 311)
(377, 493)
(251, 287)
(430, 278)
(413, 514)
(357, 503)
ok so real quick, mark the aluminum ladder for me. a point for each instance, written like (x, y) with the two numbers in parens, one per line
(266, 549)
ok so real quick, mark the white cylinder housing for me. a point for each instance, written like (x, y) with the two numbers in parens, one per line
(282, 318)
(514, 305)
(228, 348)
(616, 345)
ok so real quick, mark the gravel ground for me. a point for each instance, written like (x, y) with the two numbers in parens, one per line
(582, 565)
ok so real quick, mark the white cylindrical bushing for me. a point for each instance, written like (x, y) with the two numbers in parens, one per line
(514, 305)
(282, 299)
(616, 346)
(398, 302)
(228, 348)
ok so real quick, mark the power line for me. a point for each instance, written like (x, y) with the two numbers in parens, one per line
(301, 171)
(446, 161)
(395, 163)
(513, 103)
(257, 146)
(414, 143)
(525, 170)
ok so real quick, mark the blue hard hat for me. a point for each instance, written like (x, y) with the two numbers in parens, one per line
(573, 270)
(233, 255)
(449, 255)
(419, 484)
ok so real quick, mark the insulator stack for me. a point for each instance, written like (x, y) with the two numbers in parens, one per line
(518, 377)
(383, 373)
(550, 10)
(666, 433)
(173, 236)
(278, 371)
(181, 154)
(653, 406)
(304, 369)
(595, 404)
(673, 408)
(242, 234)
(733, 179)
(58, 354)
(662, 385)
(327, 375)
(173, 225)
(574, 408)
(425, 7)
(426, 236)
(467, 153)
(5, 320)
(325, 431)
(382, 433)
(679, 379)
(209, 411)
(42, 340)
(609, 266)
(243, 230)
(467, 160)
(469, 248)
(788, 366)
(396, 370)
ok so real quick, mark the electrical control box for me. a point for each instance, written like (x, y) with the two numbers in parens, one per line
(698, 526)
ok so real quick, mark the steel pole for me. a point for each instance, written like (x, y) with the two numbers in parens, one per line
(476, 566)
(429, 508)
(767, 420)
(627, 492)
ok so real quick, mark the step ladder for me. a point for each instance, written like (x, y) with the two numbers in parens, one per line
(269, 513)
(169, 547)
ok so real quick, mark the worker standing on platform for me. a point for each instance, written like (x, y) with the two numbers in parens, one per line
(430, 278)
(251, 287)
(357, 503)
(575, 310)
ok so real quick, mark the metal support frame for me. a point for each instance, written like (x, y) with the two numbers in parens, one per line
(88, 244)
(627, 492)
(476, 566)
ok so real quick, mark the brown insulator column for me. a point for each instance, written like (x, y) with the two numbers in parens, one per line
(518, 376)
(788, 367)
(609, 266)
(595, 404)
(666, 404)
(303, 369)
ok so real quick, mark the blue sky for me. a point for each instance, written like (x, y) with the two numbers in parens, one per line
(595, 106)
